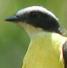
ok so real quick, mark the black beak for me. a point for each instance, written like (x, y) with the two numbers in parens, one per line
(12, 19)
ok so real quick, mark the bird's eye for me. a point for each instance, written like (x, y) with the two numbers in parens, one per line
(35, 14)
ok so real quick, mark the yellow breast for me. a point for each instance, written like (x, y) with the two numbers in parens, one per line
(43, 51)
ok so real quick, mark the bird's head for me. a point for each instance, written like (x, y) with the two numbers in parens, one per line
(37, 16)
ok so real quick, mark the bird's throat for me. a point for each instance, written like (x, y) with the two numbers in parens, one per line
(31, 30)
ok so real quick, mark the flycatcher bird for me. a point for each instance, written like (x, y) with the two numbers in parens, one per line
(48, 47)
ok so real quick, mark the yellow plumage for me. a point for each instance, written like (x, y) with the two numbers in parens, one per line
(44, 51)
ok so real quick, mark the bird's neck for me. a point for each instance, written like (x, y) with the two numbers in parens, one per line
(31, 30)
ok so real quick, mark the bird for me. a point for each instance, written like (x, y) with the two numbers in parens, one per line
(48, 46)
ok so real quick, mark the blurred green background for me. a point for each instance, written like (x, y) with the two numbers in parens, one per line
(14, 40)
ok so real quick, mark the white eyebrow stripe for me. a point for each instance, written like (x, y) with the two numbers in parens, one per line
(36, 8)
